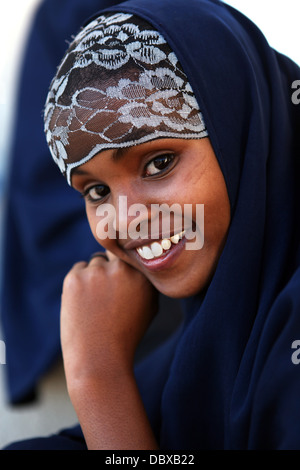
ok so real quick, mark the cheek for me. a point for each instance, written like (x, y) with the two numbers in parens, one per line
(212, 194)
(219, 205)
(94, 222)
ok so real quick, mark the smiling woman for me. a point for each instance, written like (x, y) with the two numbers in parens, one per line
(177, 272)
(137, 112)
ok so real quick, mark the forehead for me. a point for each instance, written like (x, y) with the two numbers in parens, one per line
(121, 162)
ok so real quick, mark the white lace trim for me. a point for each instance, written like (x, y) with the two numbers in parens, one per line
(153, 94)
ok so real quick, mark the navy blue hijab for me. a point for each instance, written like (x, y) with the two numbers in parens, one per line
(228, 381)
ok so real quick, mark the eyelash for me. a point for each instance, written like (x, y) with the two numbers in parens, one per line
(164, 170)
(86, 194)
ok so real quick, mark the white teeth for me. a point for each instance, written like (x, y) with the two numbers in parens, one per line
(156, 249)
(166, 244)
(175, 239)
(140, 251)
(147, 253)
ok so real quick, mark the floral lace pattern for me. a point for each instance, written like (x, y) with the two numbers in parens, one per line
(118, 85)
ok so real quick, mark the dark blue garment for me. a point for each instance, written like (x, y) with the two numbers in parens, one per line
(230, 382)
(150, 380)
(67, 439)
(45, 227)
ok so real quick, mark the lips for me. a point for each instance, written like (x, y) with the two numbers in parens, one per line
(161, 254)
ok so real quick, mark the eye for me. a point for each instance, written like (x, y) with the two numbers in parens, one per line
(159, 164)
(96, 193)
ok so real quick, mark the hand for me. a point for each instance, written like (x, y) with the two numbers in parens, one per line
(106, 309)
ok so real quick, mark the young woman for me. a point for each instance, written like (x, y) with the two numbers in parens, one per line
(183, 105)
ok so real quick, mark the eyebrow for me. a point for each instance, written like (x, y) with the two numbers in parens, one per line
(117, 155)
(120, 153)
(79, 171)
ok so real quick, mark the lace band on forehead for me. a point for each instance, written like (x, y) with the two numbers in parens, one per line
(118, 85)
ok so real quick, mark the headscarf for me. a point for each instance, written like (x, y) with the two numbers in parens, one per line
(229, 381)
(118, 85)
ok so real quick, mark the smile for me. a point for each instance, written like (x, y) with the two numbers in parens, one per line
(159, 248)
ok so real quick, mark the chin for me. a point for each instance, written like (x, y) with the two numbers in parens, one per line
(176, 291)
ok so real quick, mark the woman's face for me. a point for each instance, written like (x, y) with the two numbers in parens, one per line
(164, 173)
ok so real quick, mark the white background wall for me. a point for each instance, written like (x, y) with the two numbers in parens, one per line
(15, 16)
(279, 21)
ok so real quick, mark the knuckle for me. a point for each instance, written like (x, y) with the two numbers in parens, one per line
(70, 281)
(93, 274)
(73, 278)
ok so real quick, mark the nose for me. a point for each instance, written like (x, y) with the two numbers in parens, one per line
(131, 218)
